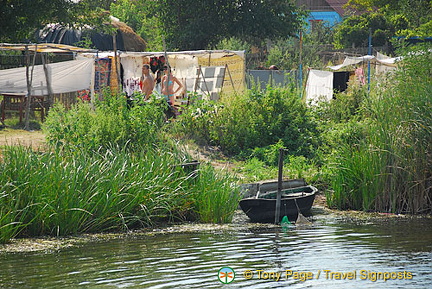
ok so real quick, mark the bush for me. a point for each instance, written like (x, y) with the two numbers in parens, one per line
(241, 123)
(109, 122)
(115, 171)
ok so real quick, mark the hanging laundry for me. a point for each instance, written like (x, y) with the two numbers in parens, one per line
(359, 73)
(132, 85)
(319, 86)
(340, 80)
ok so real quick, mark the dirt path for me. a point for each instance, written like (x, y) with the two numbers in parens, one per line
(34, 139)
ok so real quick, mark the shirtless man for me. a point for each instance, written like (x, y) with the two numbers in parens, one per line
(147, 82)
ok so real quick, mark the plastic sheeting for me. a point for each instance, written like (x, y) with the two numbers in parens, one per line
(379, 59)
(210, 81)
(352, 61)
(262, 78)
(67, 76)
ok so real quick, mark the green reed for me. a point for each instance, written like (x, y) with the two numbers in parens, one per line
(65, 193)
(390, 169)
(215, 195)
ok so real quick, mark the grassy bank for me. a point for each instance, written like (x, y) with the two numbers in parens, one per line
(389, 168)
(369, 150)
(127, 174)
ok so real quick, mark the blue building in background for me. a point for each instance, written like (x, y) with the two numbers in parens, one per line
(328, 18)
(328, 12)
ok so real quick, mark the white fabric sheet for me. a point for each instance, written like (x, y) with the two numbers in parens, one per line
(67, 76)
(319, 86)
(352, 61)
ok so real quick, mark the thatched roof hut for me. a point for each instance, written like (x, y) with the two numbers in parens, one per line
(126, 38)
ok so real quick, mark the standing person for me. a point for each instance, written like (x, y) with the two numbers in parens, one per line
(168, 81)
(147, 82)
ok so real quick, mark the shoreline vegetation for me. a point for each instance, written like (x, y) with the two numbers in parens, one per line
(240, 222)
(114, 168)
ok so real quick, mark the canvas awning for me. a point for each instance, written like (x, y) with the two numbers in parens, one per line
(45, 48)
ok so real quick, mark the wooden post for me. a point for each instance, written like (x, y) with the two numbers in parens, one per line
(48, 80)
(279, 191)
(116, 61)
(229, 74)
(27, 64)
(29, 84)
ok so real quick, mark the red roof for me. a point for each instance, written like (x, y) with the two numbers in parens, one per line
(337, 6)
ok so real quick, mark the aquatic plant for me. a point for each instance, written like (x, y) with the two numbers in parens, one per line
(108, 168)
(215, 195)
(389, 169)
(59, 193)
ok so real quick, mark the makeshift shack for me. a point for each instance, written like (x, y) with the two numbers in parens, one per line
(321, 85)
(40, 83)
(205, 72)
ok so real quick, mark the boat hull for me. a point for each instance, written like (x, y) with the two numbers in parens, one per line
(261, 209)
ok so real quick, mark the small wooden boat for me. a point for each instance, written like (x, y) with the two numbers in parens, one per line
(296, 195)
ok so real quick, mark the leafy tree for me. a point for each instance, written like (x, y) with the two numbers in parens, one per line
(189, 24)
(140, 17)
(405, 16)
(285, 52)
(354, 30)
(20, 18)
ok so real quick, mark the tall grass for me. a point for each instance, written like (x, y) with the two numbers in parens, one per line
(390, 169)
(57, 194)
(110, 168)
(108, 122)
(213, 202)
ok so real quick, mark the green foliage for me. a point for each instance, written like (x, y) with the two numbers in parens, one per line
(233, 43)
(110, 168)
(268, 154)
(191, 25)
(87, 191)
(254, 170)
(20, 19)
(215, 196)
(240, 123)
(354, 30)
(285, 52)
(110, 122)
(389, 168)
(392, 18)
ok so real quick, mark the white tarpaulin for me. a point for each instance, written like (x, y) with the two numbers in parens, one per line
(67, 76)
(352, 61)
(319, 86)
(380, 59)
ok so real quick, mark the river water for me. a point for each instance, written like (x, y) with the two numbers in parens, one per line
(332, 253)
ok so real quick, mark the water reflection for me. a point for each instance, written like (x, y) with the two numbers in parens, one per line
(192, 260)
